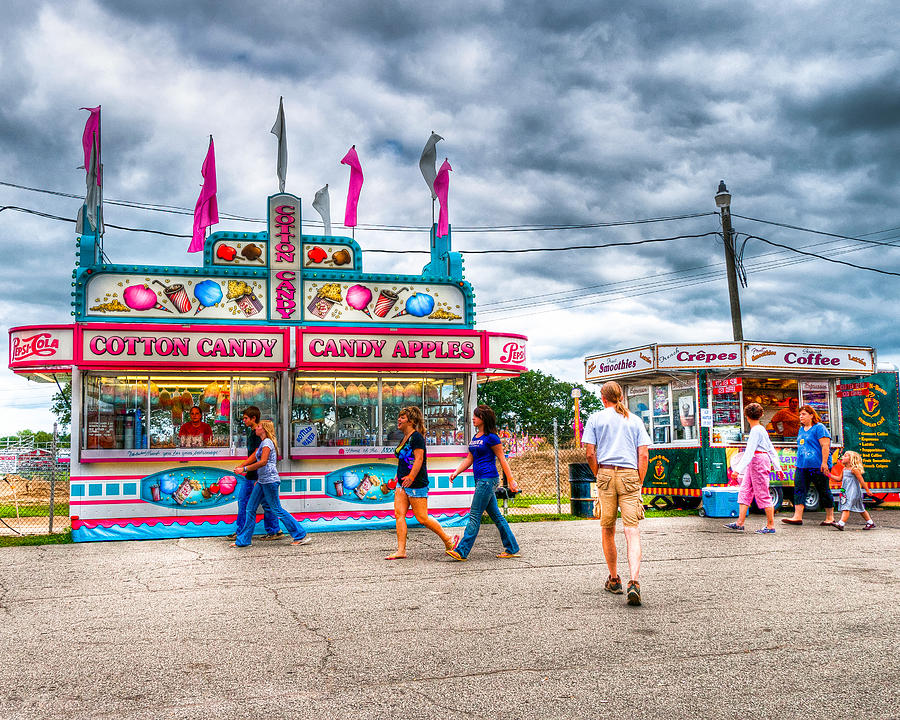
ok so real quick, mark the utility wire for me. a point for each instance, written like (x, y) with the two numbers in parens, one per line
(828, 259)
(858, 238)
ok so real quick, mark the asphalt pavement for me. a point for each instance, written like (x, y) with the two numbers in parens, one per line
(800, 624)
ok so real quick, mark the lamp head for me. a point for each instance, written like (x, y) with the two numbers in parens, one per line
(723, 197)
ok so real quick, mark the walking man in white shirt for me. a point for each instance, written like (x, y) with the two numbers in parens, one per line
(617, 451)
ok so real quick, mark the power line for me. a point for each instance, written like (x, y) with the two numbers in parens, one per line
(858, 238)
(828, 259)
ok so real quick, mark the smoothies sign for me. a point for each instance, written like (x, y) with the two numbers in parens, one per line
(627, 362)
(284, 256)
(809, 358)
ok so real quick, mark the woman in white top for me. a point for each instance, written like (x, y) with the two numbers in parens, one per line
(758, 458)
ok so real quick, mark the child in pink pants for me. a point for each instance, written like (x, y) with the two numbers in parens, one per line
(756, 463)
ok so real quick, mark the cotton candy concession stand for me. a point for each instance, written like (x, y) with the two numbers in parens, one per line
(691, 398)
(289, 323)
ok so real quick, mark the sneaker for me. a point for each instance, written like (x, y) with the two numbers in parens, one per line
(733, 526)
(233, 536)
(634, 593)
(765, 531)
(869, 526)
(838, 525)
(305, 540)
(613, 585)
(273, 536)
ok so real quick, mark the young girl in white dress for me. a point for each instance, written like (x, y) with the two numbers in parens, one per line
(852, 497)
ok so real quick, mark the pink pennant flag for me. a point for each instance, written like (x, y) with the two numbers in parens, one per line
(356, 182)
(91, 135)
(206, 211)
(442, 189)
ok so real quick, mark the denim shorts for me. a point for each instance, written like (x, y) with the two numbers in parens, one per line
(421, 492)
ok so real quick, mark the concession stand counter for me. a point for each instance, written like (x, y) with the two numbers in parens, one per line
(289, 323)
(691, 398)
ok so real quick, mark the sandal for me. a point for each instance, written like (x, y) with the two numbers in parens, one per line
(504, 555)
(825, 522)
(455, 555)
(790, 521)
(869, 526)
(395, 556)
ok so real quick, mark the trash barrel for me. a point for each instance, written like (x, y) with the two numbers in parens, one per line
(580, 479)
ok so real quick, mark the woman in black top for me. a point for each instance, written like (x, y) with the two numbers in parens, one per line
(412, 481)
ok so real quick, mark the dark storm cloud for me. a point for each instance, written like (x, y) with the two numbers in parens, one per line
(552, 113)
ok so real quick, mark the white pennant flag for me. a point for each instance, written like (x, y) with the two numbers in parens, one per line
(322, 205)
(428, 160)
(278, 131)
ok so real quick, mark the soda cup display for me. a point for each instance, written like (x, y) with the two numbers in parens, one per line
(386, 300)
(176, 295)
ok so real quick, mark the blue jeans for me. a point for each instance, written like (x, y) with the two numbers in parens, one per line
(245, 487)
(269, 493)
(483, 501)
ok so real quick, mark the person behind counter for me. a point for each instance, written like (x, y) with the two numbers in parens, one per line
(412, 481)
(264, 460)
(813, 463)
(756, 462)
(484, 452)
(789, 419)
(250, 419)
(195, 432)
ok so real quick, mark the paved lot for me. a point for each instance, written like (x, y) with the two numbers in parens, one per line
(803, 624)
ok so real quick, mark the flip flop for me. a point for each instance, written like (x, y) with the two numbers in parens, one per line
(455, 555)
(504, 555)
(825, 522)
(396, 557)
(789, 521)
(455, 540)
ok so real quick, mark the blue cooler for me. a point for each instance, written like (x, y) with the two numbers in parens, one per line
(720, 501)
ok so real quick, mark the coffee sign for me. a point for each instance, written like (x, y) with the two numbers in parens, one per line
(809, 358)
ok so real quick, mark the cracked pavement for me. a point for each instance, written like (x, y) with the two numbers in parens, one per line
(797, 625)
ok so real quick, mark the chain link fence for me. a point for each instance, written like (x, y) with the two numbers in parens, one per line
(544, 464)
(34, 487)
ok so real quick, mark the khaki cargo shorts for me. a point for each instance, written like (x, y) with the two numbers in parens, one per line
(619, 489)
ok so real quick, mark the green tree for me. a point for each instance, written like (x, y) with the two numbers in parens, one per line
(529, 402)
(61, 405)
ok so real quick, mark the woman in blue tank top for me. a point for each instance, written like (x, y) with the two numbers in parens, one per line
(484, 450)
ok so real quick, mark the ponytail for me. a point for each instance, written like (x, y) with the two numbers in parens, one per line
(612, 392)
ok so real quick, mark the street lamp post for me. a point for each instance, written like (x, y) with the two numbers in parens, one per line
(723, 202)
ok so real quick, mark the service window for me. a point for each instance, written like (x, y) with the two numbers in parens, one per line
(638, 397)
(780, 403)
(684, 410)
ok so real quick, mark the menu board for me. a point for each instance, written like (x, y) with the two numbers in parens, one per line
(871, 425)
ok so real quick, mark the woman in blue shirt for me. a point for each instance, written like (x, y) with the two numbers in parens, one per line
(266, 488)
(484, 450)
(813, 463)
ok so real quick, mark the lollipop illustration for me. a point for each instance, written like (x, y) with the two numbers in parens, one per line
(142, 297)
(359, 297)
(417, 304)
(208, 293)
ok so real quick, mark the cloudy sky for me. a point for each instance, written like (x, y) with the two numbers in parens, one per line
(585, 113)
